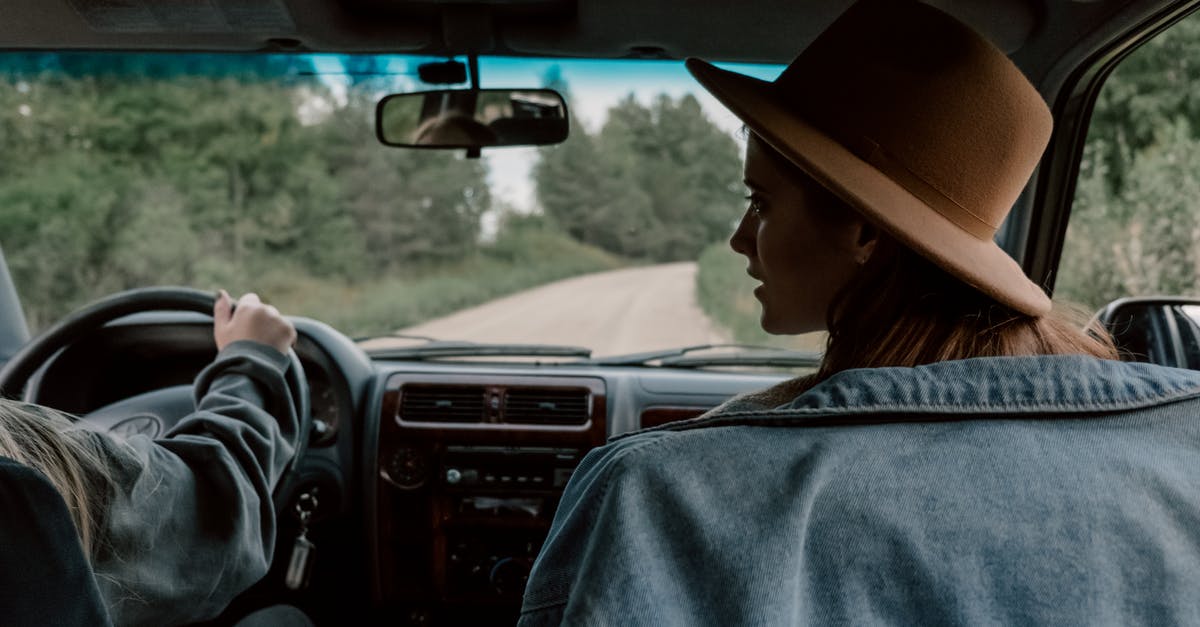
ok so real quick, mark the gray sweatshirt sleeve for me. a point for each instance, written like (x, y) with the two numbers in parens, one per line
(190, 523)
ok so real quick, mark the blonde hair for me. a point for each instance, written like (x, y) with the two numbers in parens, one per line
(902, 310)
(49, 442)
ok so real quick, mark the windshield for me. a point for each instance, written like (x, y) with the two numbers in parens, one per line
(262, 172)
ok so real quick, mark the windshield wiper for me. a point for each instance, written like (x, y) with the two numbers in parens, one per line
(748, 355)
(403, 336)
(776, 358)
(443, 349)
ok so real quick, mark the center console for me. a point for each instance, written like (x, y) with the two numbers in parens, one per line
(470, 472)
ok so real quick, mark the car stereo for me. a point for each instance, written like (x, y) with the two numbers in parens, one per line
(470, 472)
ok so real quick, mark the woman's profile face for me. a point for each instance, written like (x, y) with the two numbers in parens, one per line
(799, 241)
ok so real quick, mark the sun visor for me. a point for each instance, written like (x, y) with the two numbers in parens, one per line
(773, 32)
(159, 16)
(213, 25)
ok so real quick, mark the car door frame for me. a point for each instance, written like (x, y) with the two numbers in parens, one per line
(1035, 235)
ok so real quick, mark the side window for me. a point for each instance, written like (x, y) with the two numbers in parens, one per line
(1135, 222)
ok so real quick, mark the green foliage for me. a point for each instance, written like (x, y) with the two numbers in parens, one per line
(1151, 90)
(410, 206)
(1144, 239)
(1134, 228)
(726, 295)
(113, 181)
(658, 182)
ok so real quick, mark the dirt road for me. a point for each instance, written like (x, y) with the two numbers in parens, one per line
(622, 311)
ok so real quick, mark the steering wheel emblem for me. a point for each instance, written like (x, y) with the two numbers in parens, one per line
(142, 424)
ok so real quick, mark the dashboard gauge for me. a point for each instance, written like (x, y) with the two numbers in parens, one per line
(406, 468)
(323, 401)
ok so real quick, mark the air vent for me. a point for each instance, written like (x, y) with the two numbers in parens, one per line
(547, 406)
(442, 403)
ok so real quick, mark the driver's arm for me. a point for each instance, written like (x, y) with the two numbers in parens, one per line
(190, 521)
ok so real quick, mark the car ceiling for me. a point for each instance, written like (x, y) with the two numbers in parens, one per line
(1038, 34)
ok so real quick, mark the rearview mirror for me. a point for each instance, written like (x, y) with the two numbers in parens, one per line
(472, 119)
(1163, 331)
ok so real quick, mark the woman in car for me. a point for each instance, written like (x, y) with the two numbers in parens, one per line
(964, 453)
(176, 527)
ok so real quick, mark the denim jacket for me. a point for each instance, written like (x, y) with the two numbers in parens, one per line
(1013, 490)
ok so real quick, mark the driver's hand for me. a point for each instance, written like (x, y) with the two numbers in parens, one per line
(251, 320)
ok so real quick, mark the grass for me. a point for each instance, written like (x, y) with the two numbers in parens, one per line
(518, 261)
(726, 294)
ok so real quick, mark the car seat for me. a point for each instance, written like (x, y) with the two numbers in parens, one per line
(45, 578)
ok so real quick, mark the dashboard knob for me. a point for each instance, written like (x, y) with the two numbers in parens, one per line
(453, 476)
(406, 468)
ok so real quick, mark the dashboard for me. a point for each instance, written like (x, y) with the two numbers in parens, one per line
(436, 481)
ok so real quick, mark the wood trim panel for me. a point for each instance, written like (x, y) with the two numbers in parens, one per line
(417, 523)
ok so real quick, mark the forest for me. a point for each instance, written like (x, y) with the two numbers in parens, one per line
(247, 172)
(1134, 227)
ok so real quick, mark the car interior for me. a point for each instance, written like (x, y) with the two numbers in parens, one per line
(433, 470)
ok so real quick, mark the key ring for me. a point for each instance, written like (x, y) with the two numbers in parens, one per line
(306, 504)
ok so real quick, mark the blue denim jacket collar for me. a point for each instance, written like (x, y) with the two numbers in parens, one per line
(982, 386)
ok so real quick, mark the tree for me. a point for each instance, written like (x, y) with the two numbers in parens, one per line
(202, 176)
(1150, 90)
(411, 206)
(658, 182)
(1144, 239)
(1133, 228)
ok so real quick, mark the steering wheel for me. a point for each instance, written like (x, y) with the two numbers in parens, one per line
(162, 408)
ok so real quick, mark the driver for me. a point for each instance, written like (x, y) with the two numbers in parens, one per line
(176, 527)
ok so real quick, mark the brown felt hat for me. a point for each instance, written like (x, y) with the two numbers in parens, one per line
(917, 122)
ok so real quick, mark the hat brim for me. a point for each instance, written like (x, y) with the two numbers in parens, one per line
(977, 262)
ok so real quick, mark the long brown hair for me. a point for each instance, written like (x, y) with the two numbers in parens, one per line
(902, 310)
(50, 443)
